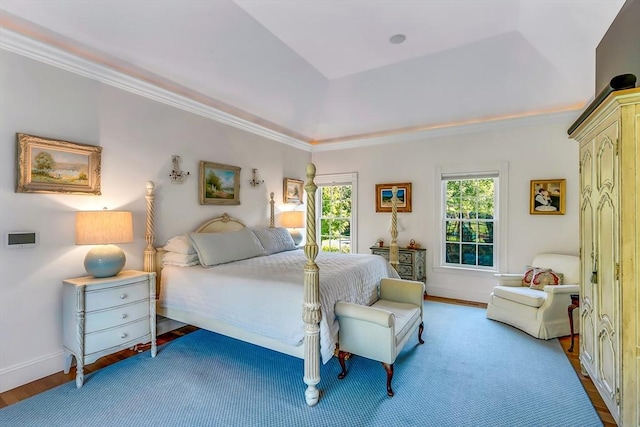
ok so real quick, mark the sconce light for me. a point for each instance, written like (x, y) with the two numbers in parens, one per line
(293, 220)
(177, 176)
(255, 182)
(104, 228)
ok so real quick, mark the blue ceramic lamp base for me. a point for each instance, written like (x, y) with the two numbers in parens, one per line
(104, 261)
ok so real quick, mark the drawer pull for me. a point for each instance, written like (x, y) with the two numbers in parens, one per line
(123, 316)
(123, 296)
(123, 335)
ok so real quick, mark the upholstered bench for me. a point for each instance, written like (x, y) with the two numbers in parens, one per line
(381, 330)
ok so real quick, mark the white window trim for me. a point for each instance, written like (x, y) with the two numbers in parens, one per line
(501, 218)
(340, 179)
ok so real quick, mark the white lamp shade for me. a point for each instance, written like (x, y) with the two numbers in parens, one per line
(103, 228)
(292, 219)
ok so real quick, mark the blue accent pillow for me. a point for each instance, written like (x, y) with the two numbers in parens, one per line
(221, 248)
(275, 240)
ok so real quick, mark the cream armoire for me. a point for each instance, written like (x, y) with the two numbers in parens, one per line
(609, 141)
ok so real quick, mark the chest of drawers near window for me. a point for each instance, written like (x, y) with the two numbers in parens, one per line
(104, 315)
(412, 263)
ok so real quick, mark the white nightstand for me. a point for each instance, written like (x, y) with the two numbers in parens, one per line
(103, 316)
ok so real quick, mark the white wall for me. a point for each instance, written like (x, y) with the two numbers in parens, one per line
(138, 137)
(539, 150)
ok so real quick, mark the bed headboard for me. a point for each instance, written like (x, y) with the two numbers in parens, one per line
(220, 225)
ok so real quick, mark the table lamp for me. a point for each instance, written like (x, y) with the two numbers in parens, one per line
(104, 228)
(293, 220)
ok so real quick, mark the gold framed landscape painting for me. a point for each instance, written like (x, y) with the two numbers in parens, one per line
(219, 184)
(55, 166)
(293, 190)
(384, 194)
(547, 197)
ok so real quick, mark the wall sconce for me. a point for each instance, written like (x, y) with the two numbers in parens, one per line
(255, 182)
(177, 176)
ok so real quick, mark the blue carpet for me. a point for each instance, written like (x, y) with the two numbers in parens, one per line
(470, 372)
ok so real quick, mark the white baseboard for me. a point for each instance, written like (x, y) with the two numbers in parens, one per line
(465, 295)
(23, 373)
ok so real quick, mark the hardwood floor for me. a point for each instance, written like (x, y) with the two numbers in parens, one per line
(20, 393)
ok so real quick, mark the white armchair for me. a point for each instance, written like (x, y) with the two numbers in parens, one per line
(380, 331)
(540, 313)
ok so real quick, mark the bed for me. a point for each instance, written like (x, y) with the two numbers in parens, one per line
(251, 298)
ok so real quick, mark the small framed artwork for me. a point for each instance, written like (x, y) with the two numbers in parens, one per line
(54, 166)
(383, 197)
(547, 197)
(219, 184)
(293, 190)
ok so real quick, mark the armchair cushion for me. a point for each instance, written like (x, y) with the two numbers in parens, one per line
(521, 295)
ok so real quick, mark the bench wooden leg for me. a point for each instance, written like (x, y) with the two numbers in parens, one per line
(342, 356)
(389, 369)
(420, 330)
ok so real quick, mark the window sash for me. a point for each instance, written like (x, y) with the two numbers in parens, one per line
(454, 251)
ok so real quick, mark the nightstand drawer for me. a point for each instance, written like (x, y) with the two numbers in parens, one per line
(98, 320)
(405, 257)
(382, 252)
(112, 297)
(115, 336)
(405, 271)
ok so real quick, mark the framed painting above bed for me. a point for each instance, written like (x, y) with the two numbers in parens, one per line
(219, 184)
(293, 190)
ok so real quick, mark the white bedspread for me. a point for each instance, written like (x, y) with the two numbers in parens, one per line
(264, 295)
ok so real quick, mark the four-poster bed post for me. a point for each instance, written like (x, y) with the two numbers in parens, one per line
(393, 248)
(311, 307)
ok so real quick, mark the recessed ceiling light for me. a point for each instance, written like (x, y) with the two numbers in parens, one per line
(397, 38)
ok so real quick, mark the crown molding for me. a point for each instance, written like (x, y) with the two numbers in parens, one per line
(29, 47)
(566, 115)
(42, 52)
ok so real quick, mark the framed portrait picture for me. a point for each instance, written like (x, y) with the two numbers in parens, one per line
(547, 197)
(219, 184)
(55, 166)
(383, 197)
(293, 190)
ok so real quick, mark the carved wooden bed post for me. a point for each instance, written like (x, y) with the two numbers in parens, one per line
(393, 249)
(150, 237)
(311, 307)
(272, 222)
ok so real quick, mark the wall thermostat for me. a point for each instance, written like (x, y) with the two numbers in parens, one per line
(21, 239)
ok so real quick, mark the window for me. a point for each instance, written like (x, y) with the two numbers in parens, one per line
(470, 215)
(336, 212)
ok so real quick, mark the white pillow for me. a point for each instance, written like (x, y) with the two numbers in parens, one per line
(181, 260)
(275, 240)
(221, 248)
(181, 245)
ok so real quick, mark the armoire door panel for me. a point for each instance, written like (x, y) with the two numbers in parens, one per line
(606, 259)
(608, 367)
(586, 175)
(606, 158)
(587, 336)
